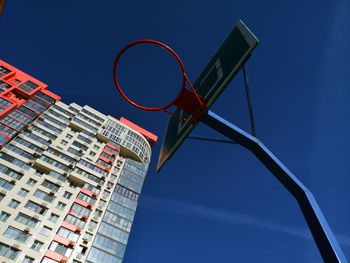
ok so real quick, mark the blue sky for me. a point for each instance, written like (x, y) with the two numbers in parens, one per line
(211, 202)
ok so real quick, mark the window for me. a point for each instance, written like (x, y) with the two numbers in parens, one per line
(27, 111)
(61, 249)
(69, 136)
(67, 195)
(4, 85)
(20, 116)
(16, 234)
(31, 84)
(93, 167)
(31, 182)
(84, 139)
(87, 236)
(4, 71)
(14, 204)
(64, 111)
(106, 193)
(45, 231)
(80, 145)
(13, 123)
(47, 125)
(73, 109)
(58, 176)
(28, 260)
(53, 218)
(53, 120)
(6, 184)
(64, 142)
(92, 154)
(36, 208)
(4, 216)
(61, 155)
(96, 147)
(80, 211)
(12, 173)
(36, 245)
(9, 252)
(3, 139)
(54, 162)
(104, 163)
(2, 196)
(60, 116)
(38, 173)
(113, 177)
(98, 212)
(92, 188)
(102, 202)
(45, 97)
(29, 144)
(110, 244)
(87, 198)
(75, 221)
(111, 150)
(85, 124)
(87, 175)
(75, 152)
(27, 220)
(7, 130)
(34, 106)
(34, 137)
(92, 115)
(60, 205)
(23, 192)
(88, 133)
(50, 185)
(64, 232)
(14, 160)
(44, 196)
(45, 133)
(81, 249)
(109, 157)
(93, 224)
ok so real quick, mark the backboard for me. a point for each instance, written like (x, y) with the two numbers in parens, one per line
(223, 66)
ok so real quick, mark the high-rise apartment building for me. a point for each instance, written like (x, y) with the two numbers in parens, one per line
(70, 176)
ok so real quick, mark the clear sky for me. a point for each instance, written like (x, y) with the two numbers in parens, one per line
(211, 202)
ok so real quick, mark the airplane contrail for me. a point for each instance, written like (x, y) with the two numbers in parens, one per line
(228, 217)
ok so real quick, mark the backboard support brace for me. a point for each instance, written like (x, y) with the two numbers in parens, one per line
(320, 230)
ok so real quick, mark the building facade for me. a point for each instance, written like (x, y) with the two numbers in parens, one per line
(70, 176)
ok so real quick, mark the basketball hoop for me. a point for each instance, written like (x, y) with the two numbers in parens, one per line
(188, 100)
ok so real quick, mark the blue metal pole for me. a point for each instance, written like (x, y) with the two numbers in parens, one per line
(321, 232)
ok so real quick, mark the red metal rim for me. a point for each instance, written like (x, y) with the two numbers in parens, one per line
(172, 52)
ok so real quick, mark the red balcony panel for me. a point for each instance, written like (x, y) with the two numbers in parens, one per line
(102, 167)
(108, 152)
(69, 226)
(83, 203)
(7, 110)
(105, 159)
(6, 136)
(52, 95)
(88, 192)
(63, 240)
(9, 126)
(55, 256)
(113, 147)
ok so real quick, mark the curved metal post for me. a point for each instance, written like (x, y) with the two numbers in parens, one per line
(321, 232)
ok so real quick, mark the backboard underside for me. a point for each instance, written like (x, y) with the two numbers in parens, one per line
(220, 70)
